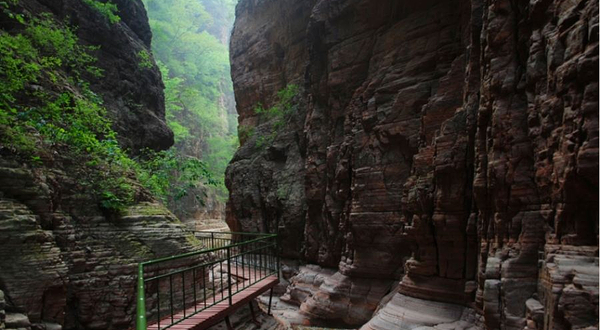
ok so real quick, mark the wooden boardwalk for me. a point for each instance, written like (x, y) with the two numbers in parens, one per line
(216, 313)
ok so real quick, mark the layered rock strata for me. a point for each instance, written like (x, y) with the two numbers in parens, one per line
(327, 298)
(448, 145)
(404, 312)
(63, 261)
(266, 182)
(2, 311)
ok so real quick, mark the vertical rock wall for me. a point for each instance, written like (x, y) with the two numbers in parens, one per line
(448, 145)
(266, 182)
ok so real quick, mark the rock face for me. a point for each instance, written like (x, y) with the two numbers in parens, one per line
(2, 311)
(132, 94)
(403, 312)
(448, 145)
(74, 266)
(65, 262)
(266, 182)
(329, 298)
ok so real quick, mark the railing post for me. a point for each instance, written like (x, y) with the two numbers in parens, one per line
(277, 255)
(212, 240)
(141, 323)
(229, 273)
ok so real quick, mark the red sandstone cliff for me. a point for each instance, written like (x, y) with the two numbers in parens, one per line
(448, 145)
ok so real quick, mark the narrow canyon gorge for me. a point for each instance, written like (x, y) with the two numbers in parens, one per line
(425, 164)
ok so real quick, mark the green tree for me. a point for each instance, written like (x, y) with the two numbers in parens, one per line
(190, 41)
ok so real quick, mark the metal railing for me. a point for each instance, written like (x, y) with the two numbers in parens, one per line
(172, 289)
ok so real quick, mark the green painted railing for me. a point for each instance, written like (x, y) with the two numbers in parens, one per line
(174, 288)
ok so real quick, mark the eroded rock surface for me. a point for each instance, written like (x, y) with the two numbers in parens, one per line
(403, 312)
(266, 180)
(326, 297)
(447, 145)
(2, 311)
(64, 261)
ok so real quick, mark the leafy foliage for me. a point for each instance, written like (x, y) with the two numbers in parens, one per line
(170, 175)
(107, 9)
(37, 55)
(245, 133)
(5, 9)
(41, 55)
(282, 108)
(144, 59)
(190, 43)
(46, 104)
(278, 114)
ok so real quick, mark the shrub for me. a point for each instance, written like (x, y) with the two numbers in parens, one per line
(283, 107)
(170, 176)
(144, 59)
(107, 9)
(245, 133)
(5, 9)
(278, 114)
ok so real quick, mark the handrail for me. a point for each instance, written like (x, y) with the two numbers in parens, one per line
(205, 264)
(256, 253)
(191, 254)
(232, 233)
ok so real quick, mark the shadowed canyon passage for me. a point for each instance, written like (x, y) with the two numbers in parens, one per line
(426, 164)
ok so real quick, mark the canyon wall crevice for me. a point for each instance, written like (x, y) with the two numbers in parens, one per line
(448, 145)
